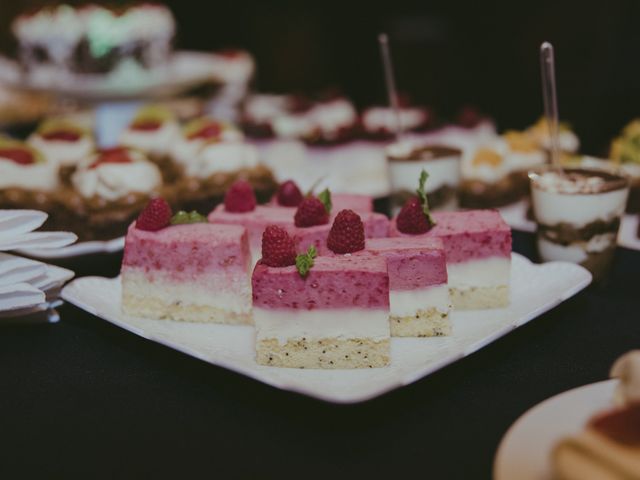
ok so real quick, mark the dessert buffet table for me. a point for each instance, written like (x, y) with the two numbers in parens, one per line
(85, 398)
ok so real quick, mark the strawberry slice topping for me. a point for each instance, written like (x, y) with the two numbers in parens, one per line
(61, 135)
(207, 131)
(112, 155)
(21, 156)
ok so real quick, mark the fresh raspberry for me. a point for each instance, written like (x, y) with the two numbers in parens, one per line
(155, 216)
(412, 219)
(278, 249)
(311, 211)
(21, 156)
(289, 195)
(347, 233)
(240, 197)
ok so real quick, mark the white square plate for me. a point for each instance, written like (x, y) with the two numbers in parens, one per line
(534, 290)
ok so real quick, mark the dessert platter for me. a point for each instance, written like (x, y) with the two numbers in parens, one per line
(588, 432)
(93, 52)
(96, 193)
(342, 305)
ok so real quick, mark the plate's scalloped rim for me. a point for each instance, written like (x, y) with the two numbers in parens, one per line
(73, 293)
(77, 249)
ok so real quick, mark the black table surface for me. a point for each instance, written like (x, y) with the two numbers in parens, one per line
(83, 398)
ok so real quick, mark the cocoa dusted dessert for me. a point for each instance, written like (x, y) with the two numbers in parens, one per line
(578, 213)
(608, 447)
(625, 153)
(495, 173)
(212, 155)
(441, 162)
(109, 191)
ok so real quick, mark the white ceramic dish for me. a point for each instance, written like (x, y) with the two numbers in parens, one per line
(535, 289)
(77, 249)
(627, 237)
(525, 450)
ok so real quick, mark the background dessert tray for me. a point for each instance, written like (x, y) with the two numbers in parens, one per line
(184, 71)
(534, 289)
(525, 450)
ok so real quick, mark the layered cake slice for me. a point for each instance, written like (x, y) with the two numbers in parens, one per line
(182, 268)
(418, 291)
(477, 245)
(319, 312)
(308, 225)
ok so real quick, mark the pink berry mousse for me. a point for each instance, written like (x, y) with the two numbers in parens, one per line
(376, 225)
(477, 244)
(418, 291)
(191, 272)
(334, 317)
(343, 201)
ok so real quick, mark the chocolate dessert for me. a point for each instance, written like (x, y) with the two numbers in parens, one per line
(441, 163)
(578, 214)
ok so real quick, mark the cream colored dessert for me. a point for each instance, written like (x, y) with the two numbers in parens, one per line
(153, 131)
(63, 142)
(442, 163)
(24, 167)
(113, 174)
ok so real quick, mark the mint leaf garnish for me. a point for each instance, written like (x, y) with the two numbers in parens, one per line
(422, 195)
(325, 197)
(183, 217)
(304, 261)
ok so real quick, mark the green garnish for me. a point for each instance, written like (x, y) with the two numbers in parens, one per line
(422, 195)
(304, 261)
(325, 197)
(183, 217)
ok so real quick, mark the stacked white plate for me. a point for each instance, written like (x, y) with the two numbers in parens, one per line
(29, 290)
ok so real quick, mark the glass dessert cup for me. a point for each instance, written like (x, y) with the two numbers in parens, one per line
(578, 212)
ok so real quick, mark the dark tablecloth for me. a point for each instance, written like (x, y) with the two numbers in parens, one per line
(85, 399)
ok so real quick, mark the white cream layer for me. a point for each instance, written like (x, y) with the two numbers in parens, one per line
(227, 292)
(485, 272)
(38, 176)
(552, 208)
(221, 157)
(575, 252)
(61, 152)
(112, 181)
(155, 142)
(343, 324)
(443, 171)
(404, 303)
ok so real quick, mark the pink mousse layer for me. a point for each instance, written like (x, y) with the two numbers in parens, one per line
(343, 201)
(469, 235)
(255, 221)
(188, 250)
(332, 282)
(412, 263)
